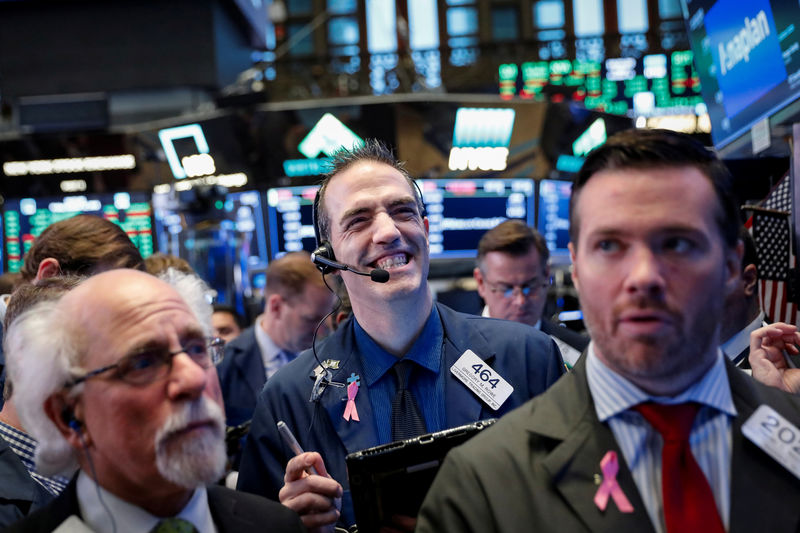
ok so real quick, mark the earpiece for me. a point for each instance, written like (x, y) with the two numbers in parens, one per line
(68, 417)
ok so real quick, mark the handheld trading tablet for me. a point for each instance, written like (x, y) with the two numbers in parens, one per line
(392, 479)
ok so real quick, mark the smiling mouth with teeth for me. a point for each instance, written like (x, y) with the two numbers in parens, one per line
(392, 261)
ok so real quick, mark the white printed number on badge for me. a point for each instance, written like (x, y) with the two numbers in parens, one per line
(481, 379)
(776, 436)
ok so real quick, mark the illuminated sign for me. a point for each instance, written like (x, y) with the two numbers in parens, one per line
(328, 136)
(306, 167)
(73, 185)
(569, 163)
(480, 139)
(69, 165)
(193, 165)
(238, 179)
(593, 137)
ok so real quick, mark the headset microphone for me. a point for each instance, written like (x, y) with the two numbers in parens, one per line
(319, 258)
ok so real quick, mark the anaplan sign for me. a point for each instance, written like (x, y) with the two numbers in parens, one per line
(752, 34)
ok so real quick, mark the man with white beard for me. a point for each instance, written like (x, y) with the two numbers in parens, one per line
(118, 378)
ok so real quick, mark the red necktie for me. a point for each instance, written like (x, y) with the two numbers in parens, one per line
(688, 501)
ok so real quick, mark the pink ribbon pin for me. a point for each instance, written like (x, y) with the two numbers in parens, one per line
(350, 411)
(610, 486)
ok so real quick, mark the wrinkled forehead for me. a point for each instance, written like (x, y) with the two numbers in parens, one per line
(109, 313)
(373, 175)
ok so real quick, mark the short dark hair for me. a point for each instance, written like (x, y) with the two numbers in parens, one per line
(289, 274)
(222, 308)
(372, 150)
(750, 256)
(159, 263)
(649, 149)
(26, 296)
(83, 245)
(513, 237)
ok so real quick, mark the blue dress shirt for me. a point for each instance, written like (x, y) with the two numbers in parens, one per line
(427, 377)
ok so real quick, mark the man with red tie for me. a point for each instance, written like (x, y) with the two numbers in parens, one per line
(648, 432)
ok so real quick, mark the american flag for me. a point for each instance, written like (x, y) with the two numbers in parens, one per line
(771, 227)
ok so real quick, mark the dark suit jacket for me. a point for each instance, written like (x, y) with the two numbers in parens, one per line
(232, 512)
(241, 376)
(573, 338)
(20, 494)
(535, 470)
(524, 356)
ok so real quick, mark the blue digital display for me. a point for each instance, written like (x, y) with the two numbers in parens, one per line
(224, 239)
(553, 216)
(747, 55)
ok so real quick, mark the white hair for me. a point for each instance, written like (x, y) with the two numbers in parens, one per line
(42, 355)
(44, 352)
(195, 293)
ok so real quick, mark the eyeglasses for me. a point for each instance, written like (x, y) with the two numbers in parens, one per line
(511, 291)
(149, 365)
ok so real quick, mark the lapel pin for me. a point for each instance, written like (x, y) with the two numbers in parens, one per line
(350, 411)
(610, 486)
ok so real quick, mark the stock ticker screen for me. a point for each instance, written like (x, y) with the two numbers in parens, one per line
(25, 218)
(460, 211)
(553, 216)
(222, 237)
(652, 84)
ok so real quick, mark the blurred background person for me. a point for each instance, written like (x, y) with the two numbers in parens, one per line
(296, 300)
(513, 277)
(226, 321)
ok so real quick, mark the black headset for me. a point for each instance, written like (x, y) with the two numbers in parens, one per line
(324, 249)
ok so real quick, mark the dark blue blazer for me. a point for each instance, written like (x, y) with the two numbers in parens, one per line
(241, 376)
(524, 356)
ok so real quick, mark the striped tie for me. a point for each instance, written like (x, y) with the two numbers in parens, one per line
(407, 422)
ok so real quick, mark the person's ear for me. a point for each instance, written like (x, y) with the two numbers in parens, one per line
(574, 268)
(478, 275)
(749, 279)
(275, 304)
(67, 420)
(48, 268)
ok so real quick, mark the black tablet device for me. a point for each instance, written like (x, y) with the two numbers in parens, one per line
(392, 479)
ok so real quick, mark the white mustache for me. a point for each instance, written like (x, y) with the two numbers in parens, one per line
(201, 410)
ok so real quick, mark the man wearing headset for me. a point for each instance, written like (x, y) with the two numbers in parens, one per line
(391, 371)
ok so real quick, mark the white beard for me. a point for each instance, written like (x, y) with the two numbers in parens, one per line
(191, 462)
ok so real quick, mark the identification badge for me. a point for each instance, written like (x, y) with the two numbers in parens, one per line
(481, 379)
(775, 435)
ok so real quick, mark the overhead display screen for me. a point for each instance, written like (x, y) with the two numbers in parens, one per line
(460, 211)
(748, 57)
(553, 216)
(25, 218)
(290, 221)
(222, 237)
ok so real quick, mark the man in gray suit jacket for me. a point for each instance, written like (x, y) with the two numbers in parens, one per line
(118, 377)
(652, 265)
